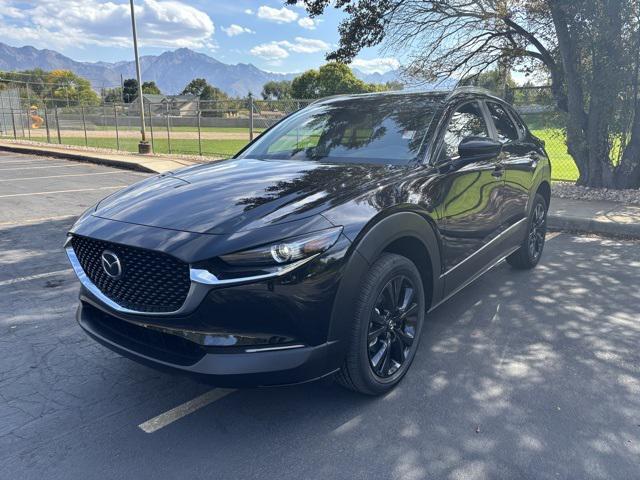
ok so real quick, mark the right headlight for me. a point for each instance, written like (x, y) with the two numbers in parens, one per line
(286, 251)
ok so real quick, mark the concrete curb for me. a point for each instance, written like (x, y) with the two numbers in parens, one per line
(140, 163)
(598, 227)
(78, 156)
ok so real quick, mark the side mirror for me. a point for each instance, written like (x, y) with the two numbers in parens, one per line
(479, 148)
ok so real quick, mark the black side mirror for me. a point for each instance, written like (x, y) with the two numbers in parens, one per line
(479, 148)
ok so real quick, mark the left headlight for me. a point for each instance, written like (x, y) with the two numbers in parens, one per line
(286, 251)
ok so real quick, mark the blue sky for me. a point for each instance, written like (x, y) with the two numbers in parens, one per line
(266, 33)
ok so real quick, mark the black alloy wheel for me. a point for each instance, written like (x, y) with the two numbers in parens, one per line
(537, 231)
(392, 327)
(530, 251)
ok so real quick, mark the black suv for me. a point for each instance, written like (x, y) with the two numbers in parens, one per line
(320, 247)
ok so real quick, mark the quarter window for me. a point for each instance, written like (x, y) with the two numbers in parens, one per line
(507, 131)
(467, 121)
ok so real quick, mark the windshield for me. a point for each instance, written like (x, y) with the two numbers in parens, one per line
(382, 129)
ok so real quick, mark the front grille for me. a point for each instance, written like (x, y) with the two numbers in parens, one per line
(150, 282)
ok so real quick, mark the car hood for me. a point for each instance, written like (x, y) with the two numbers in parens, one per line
(239, 194)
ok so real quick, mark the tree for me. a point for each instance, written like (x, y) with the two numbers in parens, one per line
(201, 88)
(589, 49)
(275, 90)
(150, 88)
(112, 95)
(65, 85)
(333, 78)
(130, 90)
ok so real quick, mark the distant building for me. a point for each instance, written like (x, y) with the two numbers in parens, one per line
(175, 105)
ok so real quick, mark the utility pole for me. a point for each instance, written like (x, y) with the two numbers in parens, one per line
(143, 146)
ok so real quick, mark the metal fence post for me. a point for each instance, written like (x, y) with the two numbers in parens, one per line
(57, 124)
(168, 130)
(13, 122)
(84, 126)
(199, 132)
(46, 123)
(115, 116)
(150, 125)
(29, 120)
(21, 121)
(250, 117)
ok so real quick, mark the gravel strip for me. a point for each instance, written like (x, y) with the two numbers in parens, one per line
(574, 192)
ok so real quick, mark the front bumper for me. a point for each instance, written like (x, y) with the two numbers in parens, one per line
(224, 367)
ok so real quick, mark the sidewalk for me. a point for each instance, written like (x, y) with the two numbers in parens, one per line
(130, 161)
(599, 217)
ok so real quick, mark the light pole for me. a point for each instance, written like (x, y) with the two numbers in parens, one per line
(143, 146)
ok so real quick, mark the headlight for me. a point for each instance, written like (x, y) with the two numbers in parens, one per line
(286, 251)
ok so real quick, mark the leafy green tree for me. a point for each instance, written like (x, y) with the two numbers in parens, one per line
(333, 78)
(202, 89)
(275, 90)
(63, 86)
(112, 95)
(130, 90)
(66, 86)
(150, 88)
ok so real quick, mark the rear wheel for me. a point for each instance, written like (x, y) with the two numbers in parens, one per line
(530, 251)
(385, 334)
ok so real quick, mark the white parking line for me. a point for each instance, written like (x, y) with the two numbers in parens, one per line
(47, 166)
(38, 220)
(63, 176)
(35, 160)
(63, 191)
(552, 235)
(37, 276)
(166, 418)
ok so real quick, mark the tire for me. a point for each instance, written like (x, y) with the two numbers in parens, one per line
(365, 369)
(529, 254)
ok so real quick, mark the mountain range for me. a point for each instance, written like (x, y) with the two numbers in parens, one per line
(171, 70)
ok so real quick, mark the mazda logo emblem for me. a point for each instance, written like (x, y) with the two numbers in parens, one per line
(111, 264)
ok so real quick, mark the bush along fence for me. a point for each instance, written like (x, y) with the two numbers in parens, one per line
(186, 125)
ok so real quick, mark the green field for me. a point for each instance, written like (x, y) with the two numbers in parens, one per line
(218, 148)
(562, 165)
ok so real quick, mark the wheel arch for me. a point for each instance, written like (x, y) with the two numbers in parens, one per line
(544, 189)
(405, 233)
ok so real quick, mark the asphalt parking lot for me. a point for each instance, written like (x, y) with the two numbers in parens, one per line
(521, 376)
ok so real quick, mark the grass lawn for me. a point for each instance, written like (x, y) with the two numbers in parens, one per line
(161, 129)
(562, 165)
(224, 148)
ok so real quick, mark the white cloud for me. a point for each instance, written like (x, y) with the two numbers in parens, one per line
(272, 52)
(248, 11)
(308, 23)
(61, 23)
(376, 65)
(275, 52)
(279, 15)
(305, 45)
(233, 30)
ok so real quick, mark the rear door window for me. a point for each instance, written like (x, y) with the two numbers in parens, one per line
(505, 128)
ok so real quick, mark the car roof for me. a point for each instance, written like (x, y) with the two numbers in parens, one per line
(446, 95)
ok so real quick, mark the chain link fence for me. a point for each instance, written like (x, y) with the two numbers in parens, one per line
(212, 128)
(183, 125)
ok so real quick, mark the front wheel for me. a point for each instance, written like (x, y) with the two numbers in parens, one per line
(386, 330)
(530, 251)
